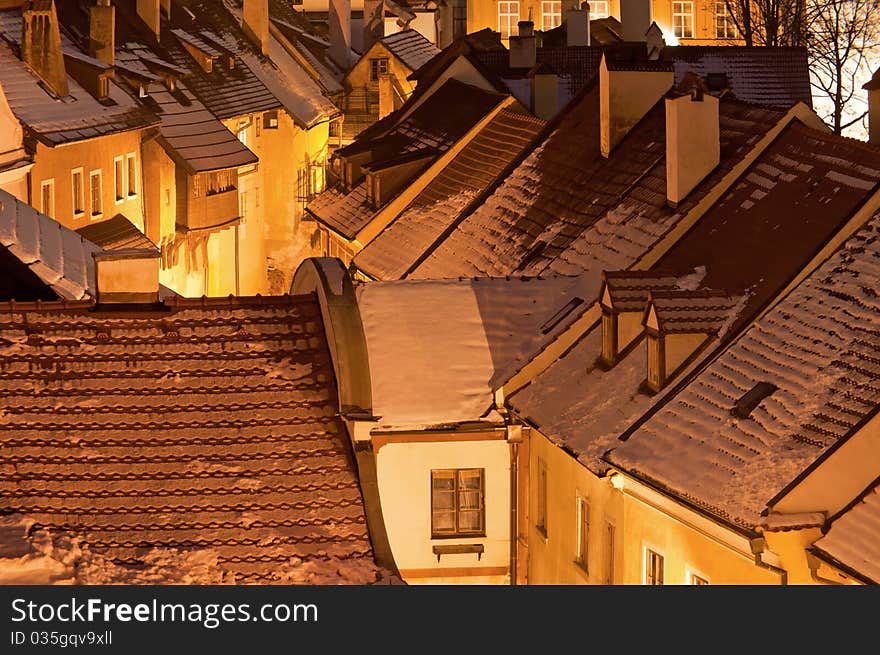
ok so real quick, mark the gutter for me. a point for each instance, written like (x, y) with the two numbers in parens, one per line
(758, 546)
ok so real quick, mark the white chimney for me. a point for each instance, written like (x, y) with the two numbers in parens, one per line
(577, 26)
(635, 18)
(544, 92)
(524, 46)
(626, 93)
(127, 276)
(873, 89)
(693, 138)
(340, 33)
(148, 10)
(255, 22)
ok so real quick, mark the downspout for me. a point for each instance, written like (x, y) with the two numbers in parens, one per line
(758, 546)
(514, 493)
(813, 563)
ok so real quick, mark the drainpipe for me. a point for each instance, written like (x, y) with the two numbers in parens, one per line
(813, 563)
(758, 545)
(514, 493)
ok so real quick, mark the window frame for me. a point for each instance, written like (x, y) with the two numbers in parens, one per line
(551, 14)
(48, 183)
(377, 63)
(457, 531)
(510, 7)
(131, 175)
(685, 16)
(119, 185)
(582, 554)
(723, 18)
(610, 545)
(99, 175)
(605, 13)
(692, 574)
(541, 500)
(78, 209)
(646, 549)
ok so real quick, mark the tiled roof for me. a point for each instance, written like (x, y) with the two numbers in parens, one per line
(628, 290)
(568, 209)
(479, 163)
(117, 233)
(774, 77)
(413, 49)
(78, 116)
(209, 428)
(818, 347)
(854, 536)
(440, 121)
(59, 257)
(697, 311)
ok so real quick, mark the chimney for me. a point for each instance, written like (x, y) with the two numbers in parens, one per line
(148, 10)
(635, 18)
(873, 89)
(524, 46)
(102, 26)
(693, 137)
(626, 93)
(255, 22)
(374, 22)
(127, 276)
(544, 92)
(577, 26)
(41, 44)
(340, 33)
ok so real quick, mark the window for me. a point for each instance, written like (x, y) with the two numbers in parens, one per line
(270, 120)
(508, 19)
(683, 19)
(653, 567)
(97, 193)
(551, 15)
(79, 192)
(243, 133)
(219, 182)
(119, 178)
(457, 507)
(610, 545)
(599, 9)
(583, 532)
(47, 197)
(378, 67)
(258, 126)
(459, 20)
(131, 174)
(242, 203)
(724, 27)
(541, 513)
(695, 578)
(197, 186)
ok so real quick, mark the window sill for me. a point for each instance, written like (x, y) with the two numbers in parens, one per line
(132, 196)
(459, 549)
(95, 217)
(542, 532)
(78, 215)
(464, 535)
(582, 568)
(119, 201)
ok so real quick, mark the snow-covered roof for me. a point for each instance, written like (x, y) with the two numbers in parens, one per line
(854, 536)
(438, 348)
(437, 207)
(204, 437)
(413, 49)
(567, 209)
(76, 117)
(59, 257)
(817, 347)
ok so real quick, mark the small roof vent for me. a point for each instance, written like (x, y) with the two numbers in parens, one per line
(744, 407)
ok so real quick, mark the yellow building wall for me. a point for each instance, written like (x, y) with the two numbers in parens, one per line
(484, 13)
(58, 164)
(552, 558)
(404, 480)
(359, 75)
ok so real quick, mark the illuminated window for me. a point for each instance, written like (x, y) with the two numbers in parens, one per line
(697, 579)
(583, 532)
(457, 506)
(653, 567)
(683, 19)
(378, 67)
(243, 133)
(119, 178)
(79, 192)
(724, 27)
(270, 120)
(131, 174)
(508, 17)
(47, 197)
(97, 193)
(541, 514)
(609, 545)
(551, 15)
(599, 9)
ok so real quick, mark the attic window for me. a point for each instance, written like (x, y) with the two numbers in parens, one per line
(556, 319)
(716, 81)
(270, 120)
(752, 398)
